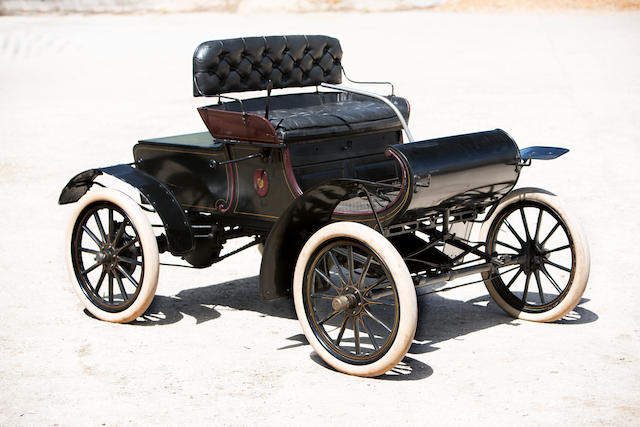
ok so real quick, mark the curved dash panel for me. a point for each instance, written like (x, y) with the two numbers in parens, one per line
(238, 126)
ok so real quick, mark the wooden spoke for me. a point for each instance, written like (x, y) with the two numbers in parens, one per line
(326, 279)
(550, 279)
(128, 276)
(96, 217)
(129, 260)
(329, 317)
(537, 276)
(378, 321)
(546, 261)
(93, 236)
(121, 286)
(356, 334)
(526, 288)
(350, 266)
(513, 279)
(90, 269)
(335, 262)
(110, 287)
(371, 335)
(513, 231)
(553, 230)
(513, 248)
(524, 222)
(116, 238)
(376, 284)
(342, 328)
(538, 224)
(127, 245)
(365, 270)
(561, 248)
(100, 280)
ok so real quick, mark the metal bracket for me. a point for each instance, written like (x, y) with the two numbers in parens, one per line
(523, 163)
(244, 112)
(366, 83)
(373, 208)
(540, 153)
(423, 184)
(268, 102)
(214, 163)
(405, 127)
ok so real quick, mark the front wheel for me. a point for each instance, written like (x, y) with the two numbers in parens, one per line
(112, 255)
(533, 226)
(355, 299)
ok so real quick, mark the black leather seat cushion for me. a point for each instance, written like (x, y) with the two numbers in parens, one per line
(325, 114)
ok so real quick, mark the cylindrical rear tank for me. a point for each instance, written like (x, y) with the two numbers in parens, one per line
(458, 172)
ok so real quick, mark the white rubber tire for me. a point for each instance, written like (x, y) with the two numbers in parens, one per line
(581, 248)
(405, 290)
(149, 247)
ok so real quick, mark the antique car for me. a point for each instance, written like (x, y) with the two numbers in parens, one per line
(355, 219)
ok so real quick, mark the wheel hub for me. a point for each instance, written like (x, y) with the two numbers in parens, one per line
(350, 301)
(535, 255)
(107, 257)
(343, 302)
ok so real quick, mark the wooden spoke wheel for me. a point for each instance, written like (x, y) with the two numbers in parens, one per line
(552, 274)
(112, 255)
(355, 299)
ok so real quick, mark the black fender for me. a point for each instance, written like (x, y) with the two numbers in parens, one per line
(176, 224)
(306, 214)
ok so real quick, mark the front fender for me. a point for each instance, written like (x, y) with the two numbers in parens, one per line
(303, 217)
(176, 224)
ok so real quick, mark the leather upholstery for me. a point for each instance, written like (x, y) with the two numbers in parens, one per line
(352, 114)
(325, 114)
(245, 64)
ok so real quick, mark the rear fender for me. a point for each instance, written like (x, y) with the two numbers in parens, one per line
(176, 224)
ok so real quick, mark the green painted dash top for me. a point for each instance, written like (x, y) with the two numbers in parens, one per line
(200, 139)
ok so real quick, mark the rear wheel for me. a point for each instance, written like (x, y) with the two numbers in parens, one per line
(112, 256)
(355, 299)
(552, 274)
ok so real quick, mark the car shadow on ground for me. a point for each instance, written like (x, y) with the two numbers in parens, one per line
(201, 302)
(439, 319)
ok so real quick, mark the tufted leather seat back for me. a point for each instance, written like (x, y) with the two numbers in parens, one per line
(245, 64)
